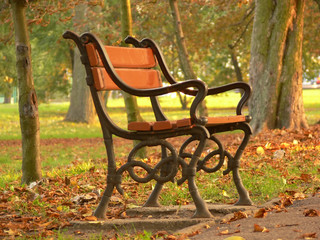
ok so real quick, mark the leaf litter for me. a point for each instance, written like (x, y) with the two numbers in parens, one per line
(42, 208)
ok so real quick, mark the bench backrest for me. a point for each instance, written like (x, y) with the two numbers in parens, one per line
(133, 65)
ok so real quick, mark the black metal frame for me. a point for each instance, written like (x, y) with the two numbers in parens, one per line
(171, 160)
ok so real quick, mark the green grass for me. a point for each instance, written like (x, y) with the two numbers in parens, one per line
(52, 124)
(74, 158)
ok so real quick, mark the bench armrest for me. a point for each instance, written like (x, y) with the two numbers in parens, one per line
(238, 85)
(146, 42)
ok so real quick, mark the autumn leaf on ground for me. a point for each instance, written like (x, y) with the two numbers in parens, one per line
(224, 232)
(306, 177)
(311, 213)
(286, 201)
(261, 213)
(260, 151)
(308, 235)
(91, 218)
(284, 145)
(299, 196)
(258, 228)
(234, 238)
(238, 215)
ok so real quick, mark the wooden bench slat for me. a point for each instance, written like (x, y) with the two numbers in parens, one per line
(137, 78)
(227, 119)
(123, 57)
(140, 126)
(166, 125)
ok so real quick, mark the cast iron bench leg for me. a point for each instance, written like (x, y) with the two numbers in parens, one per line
(153, 200)
(201, 207)
(154, 196)
(244, 198)
(112, 181)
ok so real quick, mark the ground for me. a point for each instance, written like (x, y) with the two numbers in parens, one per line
(287, 222)
(301, 220)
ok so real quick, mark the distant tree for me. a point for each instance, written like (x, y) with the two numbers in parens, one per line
(8, 73)
(28, 105)
(81, 105)
(183, 54)
(133, 113)
(276, 65)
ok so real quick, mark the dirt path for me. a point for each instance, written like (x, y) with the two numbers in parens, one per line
(298, 221)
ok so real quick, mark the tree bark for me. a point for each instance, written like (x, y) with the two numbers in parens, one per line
(235, 64)
(133, 113)
(28, 105)
(183, 52)
(81, 105)
(276, 65)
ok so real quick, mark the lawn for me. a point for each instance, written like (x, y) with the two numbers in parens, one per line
(76, 166)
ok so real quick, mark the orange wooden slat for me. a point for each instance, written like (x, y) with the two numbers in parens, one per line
(227, 119)
(184, 122)
(123, 57)
(140, 126)
(163, 125)
(136, 78)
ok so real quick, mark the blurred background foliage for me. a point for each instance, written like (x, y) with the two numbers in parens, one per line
(214, 30)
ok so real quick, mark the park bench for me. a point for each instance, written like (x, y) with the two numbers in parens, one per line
(132, 70)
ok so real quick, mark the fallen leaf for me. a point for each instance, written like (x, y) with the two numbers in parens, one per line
(299, 196)
(234, 238)
(258, 228)
(224, 232)
(311, 213)
(237, 216)
(260, 151)
(261, 213)
(308, 235)
(224, 193)
(193, 234)
(306, 177)
(171, 237)
(206, 226)
(284, 145)
(286, 201)
(268, 145)
(91, 218)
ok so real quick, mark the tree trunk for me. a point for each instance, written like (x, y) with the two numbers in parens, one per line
(81, 105)
(183, 52)
(235, 64)
(133, 113)
(28, 105)
(276, 65)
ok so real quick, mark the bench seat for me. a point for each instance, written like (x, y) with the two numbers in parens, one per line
(185, 122)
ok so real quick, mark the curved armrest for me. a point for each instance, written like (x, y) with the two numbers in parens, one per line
(238, 85)
(146, 42)
(201, 93)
